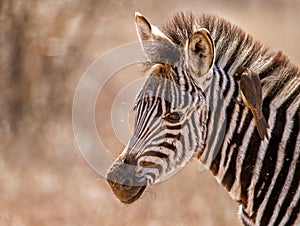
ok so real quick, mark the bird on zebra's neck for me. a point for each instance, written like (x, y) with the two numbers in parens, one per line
(251, 93)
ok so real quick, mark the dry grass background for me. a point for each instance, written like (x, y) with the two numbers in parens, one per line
(45, 47)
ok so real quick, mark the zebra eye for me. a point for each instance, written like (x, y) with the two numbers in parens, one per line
(174, 117)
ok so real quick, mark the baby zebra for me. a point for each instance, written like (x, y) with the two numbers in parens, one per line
(191, 107)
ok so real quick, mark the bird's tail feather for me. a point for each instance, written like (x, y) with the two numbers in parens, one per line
(262, 126)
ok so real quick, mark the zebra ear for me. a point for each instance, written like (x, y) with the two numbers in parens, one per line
(146, 31)
(143, 27)
(200, 52)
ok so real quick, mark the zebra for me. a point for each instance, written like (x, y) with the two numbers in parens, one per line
(190, 107)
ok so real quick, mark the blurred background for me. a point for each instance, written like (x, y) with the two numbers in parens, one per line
(45, 48)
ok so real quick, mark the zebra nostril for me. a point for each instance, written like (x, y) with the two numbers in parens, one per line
(126, 185)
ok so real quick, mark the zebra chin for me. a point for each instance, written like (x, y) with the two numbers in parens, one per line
(126, 186)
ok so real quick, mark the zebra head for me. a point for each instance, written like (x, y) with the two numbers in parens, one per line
(170, 111)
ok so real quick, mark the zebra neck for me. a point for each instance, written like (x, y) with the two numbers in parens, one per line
(221, 89)
(220, 97)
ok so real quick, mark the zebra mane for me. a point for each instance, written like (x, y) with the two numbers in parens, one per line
(231, 41)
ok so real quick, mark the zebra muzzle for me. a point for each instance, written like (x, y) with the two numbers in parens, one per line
(124, 182)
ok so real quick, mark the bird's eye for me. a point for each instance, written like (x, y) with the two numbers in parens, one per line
(174, 117)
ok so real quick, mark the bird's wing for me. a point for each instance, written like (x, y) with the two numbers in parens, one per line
(249, 91)
(256, 80)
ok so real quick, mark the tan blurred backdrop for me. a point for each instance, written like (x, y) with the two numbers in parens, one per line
(45, 47)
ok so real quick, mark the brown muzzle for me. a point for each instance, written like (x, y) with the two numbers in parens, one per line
(124, 182)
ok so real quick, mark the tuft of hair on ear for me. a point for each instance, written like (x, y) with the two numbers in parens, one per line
(200, 52)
